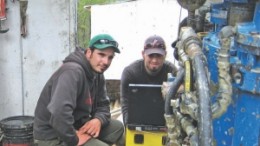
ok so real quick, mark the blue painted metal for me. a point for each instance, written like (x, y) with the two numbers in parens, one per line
(210, 47)
(223, 127)
(237, 1)
(219, 15)
(247, 44)
(247, 119)
(240, 125)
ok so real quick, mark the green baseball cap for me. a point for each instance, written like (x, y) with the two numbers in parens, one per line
(103, 41)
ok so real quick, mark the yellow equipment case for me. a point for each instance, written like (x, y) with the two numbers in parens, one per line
(146, 123)
(145, 135)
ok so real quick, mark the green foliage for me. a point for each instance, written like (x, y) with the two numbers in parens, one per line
(84, 20)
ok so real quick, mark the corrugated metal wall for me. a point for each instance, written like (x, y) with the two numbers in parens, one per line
(27, 63)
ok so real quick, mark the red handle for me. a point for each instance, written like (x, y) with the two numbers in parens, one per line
(2, 10)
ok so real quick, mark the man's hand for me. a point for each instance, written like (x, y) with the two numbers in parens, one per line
(91, 128)
(83, 138)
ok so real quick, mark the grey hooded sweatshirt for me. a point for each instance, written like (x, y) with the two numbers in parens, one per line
(72, 96)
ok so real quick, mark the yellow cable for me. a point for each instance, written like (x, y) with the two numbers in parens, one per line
(187, 76)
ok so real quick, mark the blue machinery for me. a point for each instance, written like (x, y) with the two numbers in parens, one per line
(220, 105)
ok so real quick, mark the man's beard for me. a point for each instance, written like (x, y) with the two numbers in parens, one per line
(153, 71)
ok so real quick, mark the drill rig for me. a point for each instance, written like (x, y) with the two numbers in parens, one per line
(218, 49)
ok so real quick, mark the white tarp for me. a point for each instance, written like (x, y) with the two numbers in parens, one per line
(131, 23)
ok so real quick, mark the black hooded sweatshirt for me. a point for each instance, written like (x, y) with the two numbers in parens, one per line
(72, 96)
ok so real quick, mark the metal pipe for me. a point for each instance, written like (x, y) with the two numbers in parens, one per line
(172, 91)
(173, 129)
(191, 45)
(192, 6)
(145, 85)
(172, 122)
(224, 79)
(190, 130)
(204, 115)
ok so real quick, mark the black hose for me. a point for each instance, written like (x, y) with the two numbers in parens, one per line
(205, 116)
(172, 91)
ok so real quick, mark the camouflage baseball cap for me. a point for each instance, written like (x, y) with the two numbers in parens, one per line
(154, 45)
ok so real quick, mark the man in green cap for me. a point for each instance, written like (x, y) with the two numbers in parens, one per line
(73, 108)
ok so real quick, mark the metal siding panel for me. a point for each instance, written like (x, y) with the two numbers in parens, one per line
(10, 64)
(27, 63)
(47, 44)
